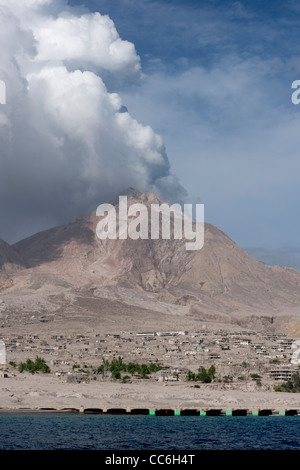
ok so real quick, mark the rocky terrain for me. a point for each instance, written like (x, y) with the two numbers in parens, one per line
(74, 299)
(69, 272)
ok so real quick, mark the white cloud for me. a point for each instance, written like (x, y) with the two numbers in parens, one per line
(65, 147)
(87, 38)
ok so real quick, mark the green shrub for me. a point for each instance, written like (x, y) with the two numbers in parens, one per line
(255, 376)
(291, 386)
(116, 366)
(203, 375)
(34, 366)
(126, 378)
(227, 378)
(116, 374)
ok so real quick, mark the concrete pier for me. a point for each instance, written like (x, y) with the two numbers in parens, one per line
(193, 412)
(201, 412)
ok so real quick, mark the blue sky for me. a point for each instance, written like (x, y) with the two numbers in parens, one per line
(218, 91)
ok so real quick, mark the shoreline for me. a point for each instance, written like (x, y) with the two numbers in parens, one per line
(41, 394)
(158, 412)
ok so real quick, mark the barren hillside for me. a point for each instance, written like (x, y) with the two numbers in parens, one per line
(220, 282)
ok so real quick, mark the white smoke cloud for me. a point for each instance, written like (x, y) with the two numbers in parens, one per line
(64, 144)
(90, 37)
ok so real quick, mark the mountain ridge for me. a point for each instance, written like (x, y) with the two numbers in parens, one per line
(220, 282)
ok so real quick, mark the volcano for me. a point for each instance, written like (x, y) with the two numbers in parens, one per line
(218, 283)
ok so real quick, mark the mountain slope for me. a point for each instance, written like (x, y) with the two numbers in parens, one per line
(220, 281)
(10, 260)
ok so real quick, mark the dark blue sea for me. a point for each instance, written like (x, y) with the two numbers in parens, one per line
(111, 432)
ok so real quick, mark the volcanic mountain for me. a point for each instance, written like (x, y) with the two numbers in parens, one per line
(219, 283)
(10, 260)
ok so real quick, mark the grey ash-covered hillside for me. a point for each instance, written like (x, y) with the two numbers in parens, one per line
(219, 283)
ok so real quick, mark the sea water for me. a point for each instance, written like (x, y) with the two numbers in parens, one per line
(31, 431)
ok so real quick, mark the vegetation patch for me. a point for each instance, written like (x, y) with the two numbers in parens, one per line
(39, 365)
(203, 375)
(292, 386)
(117, 366)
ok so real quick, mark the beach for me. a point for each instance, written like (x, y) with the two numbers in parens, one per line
(37, 392)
